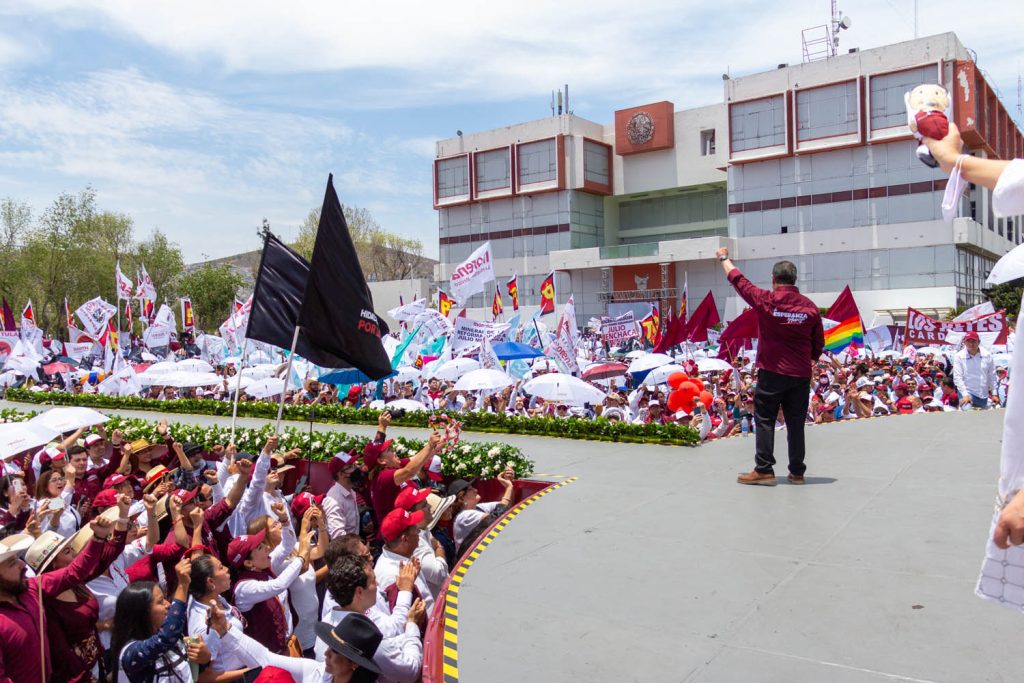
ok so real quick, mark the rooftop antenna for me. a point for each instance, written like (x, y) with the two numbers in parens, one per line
(822, 42)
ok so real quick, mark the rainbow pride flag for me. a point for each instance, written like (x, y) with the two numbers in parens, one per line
(849, 331)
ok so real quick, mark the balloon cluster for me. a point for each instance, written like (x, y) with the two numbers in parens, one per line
(686, 391)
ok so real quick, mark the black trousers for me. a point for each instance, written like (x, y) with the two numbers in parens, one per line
(791, 393)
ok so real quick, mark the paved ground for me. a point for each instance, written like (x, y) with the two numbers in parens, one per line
(655, 566)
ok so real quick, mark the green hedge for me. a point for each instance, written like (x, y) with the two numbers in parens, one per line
(571, 428)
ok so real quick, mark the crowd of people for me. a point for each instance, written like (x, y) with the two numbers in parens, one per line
(136, 561)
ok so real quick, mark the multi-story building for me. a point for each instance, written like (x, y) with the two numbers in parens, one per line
(813, 163)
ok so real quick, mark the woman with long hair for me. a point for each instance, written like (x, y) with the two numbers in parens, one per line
(55, 491)
(147, 644)
(210, 580)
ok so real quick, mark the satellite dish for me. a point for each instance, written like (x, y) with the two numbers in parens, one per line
(845, 22)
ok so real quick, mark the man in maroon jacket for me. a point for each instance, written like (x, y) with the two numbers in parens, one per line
(790, 339)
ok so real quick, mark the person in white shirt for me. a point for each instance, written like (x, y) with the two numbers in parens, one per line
(975, 374)
(210, 580)
(339, 503)
(429, 552)
(353, 586)
(401, 533)
(468, 509)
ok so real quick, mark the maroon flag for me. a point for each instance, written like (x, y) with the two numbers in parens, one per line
(705, 316)
(8, 318)
(737, 335)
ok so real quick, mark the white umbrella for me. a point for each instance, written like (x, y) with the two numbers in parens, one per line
(636, 354)
(147, 356)
(66, 420)
(194, 365)
(1009, 267)
(712, 365)
(16, 437)
(648, 361)
(22, 364)
(405, 404)
(262, 388)
(8, 378)
(659, 375)
(161, 368)
(377, 404)
(543, 363)
(931, 350)
(407, 373)
(456, 368)
(484, 379)
(1001, 358)
(261, 371)
(562, 388)
(191, 379)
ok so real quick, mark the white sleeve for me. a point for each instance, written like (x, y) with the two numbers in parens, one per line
(252, 497)
(250, 593)
(222, 476)
(300, 669)
(401, 658)
(958, 374)
(705, 425)
(433, 568)
(279, 555)
(395, 622)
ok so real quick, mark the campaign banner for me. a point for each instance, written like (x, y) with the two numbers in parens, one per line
(408, 312)
(470, 276)
(925, 330)
(617, 330)
(563, 348)
(157, 336)
(7, 341)
(94, 315)
(469, 333)
(432, 324)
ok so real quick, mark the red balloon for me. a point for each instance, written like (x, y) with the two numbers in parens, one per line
(677, 378)
(686, 404)
(706, 398)
(689, 390)
(675, 400)
(699, 382)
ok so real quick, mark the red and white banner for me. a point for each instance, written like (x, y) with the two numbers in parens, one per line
(7, 342)
(563, 348)
(188, 321)
(122, 283)
(923, 329)
(94, 315)
(470, 276)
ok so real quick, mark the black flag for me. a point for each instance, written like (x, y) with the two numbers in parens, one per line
(337, 311)
(276, 301)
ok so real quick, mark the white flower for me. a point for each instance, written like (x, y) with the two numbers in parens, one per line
(493, 452)
(466, 448)
(476, 460)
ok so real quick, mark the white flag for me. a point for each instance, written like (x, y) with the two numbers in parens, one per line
(145, 289)
(165, 317)
(563, 349)
(488, 358)
(157, 336)
(976, 312)
(471, 275)
(94, 315)
(123, 284)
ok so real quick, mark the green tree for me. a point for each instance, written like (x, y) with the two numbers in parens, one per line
(212, 290)
(15, 223)
(1007, 296)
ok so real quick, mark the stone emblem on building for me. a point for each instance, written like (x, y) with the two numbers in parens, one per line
(640, 128)
(641, 282)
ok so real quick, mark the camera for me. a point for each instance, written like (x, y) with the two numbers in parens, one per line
(397, 413)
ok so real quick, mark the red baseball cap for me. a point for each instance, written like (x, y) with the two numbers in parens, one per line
(341, 460)
(303, 502)
(185, 495)
(50, 454)
(272, 674)
(396, 522)
(116, 479)
(409, 496)
(972, 335)
(373, 451)
(107, 498)
(239, 549)
(905, 406)
(434, 469)
(93, 439)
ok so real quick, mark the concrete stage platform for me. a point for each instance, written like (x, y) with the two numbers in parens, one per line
(655, 566)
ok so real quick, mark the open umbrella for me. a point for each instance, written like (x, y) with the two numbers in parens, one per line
(561, 388)
(263, 388)
(193, 365)
(713, 365)
(648, 361)
(406, 404)
(604, 371)
(483, 379)
(348, 376)
(407, 373)
(455, 368)
(67, 419)
(162, 368)
(189, 379)
(16, 437)
(660, 374)
(147, 356)
(514, 350)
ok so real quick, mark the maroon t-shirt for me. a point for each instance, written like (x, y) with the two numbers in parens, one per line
(790, 334)
(384, 491)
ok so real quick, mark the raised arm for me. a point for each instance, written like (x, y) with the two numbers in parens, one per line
(413, 467)
(976, 170)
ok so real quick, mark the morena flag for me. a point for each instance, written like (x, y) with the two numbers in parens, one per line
(547, 294)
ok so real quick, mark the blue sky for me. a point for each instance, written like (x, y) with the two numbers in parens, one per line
(201, 118)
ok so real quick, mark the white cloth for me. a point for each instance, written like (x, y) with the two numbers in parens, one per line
(107, 588)
(975, 375)
(341, 512)
(434, 568)
(249, 593)
(222, 659)
(301, 669)
(386, 570)
(467, 520)
(1008, 195)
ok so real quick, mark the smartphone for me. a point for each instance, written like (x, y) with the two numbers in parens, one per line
(18, 485)
(56, 504)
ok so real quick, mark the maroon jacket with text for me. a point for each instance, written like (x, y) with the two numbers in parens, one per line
(790, 334)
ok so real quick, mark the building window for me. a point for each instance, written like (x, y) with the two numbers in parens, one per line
(493, 170)
(538, 162)
(595, 163)
(707, 143)
(826, 112)
(453, 177)
(758, 123)
(971, 273)
(888, 109)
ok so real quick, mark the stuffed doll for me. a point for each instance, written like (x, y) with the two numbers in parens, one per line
(926, 116)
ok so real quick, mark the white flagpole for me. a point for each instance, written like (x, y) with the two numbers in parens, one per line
(287, 379)
(238, 387)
